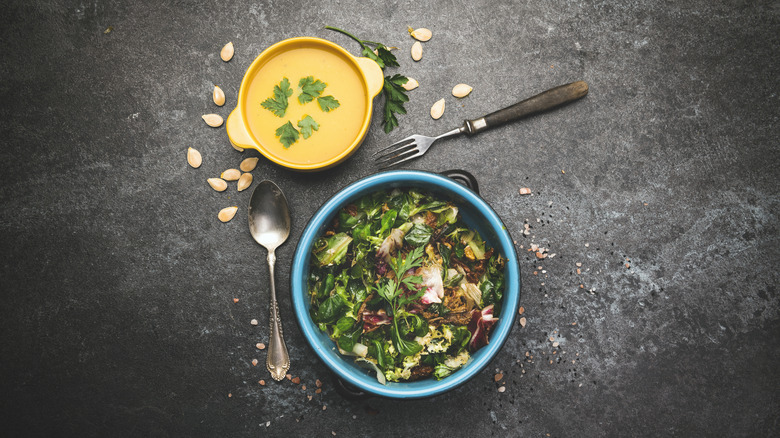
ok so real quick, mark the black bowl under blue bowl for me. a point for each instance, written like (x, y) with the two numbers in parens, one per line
(476, 213)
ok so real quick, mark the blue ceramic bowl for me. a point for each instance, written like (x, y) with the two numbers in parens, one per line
(475, 212)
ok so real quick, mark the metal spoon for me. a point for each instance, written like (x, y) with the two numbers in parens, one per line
(269, 223)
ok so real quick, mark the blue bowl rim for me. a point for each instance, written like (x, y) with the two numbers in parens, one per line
(299, 290)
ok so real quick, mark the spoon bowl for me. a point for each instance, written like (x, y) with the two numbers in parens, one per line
(269, 224)
(269, 215)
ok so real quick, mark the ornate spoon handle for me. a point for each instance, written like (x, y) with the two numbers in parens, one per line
(277, 361)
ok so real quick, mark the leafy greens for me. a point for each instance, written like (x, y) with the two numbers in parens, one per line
(395, 282)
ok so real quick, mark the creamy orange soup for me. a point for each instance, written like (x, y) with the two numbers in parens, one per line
(338, 128)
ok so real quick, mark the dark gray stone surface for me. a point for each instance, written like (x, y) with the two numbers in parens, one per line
(117, 279)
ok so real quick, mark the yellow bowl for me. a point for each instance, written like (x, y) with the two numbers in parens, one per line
(353, 81)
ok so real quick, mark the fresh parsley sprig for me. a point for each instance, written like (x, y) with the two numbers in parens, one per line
(395, 97)
(393, 293)
(395, 94)
(391, 290)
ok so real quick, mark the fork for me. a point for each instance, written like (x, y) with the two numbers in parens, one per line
(417, 145)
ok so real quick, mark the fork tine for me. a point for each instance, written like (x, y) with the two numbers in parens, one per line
(397, 160)
(402, 152)
(399, 143)
(399, 151)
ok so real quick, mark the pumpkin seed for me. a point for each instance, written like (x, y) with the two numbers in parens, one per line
(248, 164)
(411, 84)
(421, 34)
(437, 109)
(213, 120)
(231, 174)
(226, 214)
(417, 51)
(219, 96)
(461, 90)
(217, 184)
(194, 157)
(244, 182)
(227, 52)
(236, 147)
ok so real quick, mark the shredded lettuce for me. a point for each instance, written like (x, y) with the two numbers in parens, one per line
(331, 251)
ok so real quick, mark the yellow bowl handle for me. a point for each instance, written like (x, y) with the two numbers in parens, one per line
(373, 74)
(237, 132)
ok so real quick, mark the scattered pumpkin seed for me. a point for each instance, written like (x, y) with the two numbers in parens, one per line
(244, 182)
(219, 96)
(213, 120)
(417, 51)
(231, 174)
(236, 147)
(437, 109)
(248, 164)
(227, 52)
(461, 90)
(421, 34)
(217, 184)
(194, 157)
(226, 214)
(411, 84)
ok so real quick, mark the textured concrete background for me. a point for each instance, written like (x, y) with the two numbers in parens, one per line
(118, 281)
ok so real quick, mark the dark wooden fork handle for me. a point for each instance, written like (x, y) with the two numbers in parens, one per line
(533, 105)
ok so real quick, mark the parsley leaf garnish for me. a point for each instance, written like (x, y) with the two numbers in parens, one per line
(395, 95)
(278, 103)
(287, 134)
(328, 103)
(307, 125)
(310, 88)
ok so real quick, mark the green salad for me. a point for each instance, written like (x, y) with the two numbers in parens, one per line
(402, 284)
